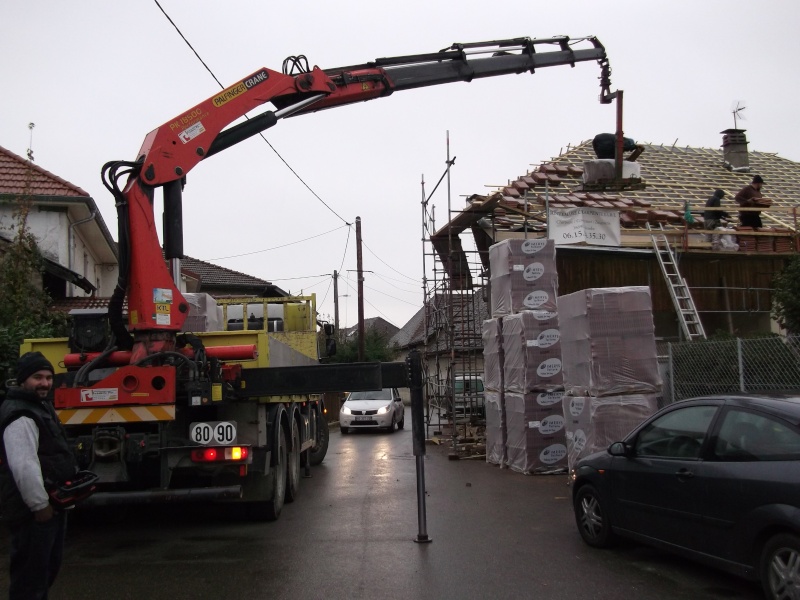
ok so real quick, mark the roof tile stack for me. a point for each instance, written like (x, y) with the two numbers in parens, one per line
(747, 243)
(765, 243)
(783, 243)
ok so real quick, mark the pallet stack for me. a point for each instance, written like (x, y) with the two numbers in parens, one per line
(493, 361)
(610, 365)
(523, 276)
(535, 437)
(524, 291)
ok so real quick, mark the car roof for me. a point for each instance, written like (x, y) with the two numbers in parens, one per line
(785, 405)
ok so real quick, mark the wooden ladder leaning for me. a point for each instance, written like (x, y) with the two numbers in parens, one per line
(688, 316)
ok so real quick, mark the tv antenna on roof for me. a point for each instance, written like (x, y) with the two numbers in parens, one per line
(737, 112)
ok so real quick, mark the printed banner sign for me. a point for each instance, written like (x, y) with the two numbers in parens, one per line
(593, 226)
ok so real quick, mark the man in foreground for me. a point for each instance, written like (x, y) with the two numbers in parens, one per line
(35, 458)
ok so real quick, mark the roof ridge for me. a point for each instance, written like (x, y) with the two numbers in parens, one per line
(30, 163)
(212, 265)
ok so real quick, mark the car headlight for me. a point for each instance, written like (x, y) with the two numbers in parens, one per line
(384, 409)
(346, 411)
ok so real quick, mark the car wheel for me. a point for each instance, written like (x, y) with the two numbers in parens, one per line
(402, 422)
(780, 567)
(344, 430)
(591, 517)
(394, 422)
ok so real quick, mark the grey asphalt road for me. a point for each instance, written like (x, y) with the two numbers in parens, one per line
(496, 534)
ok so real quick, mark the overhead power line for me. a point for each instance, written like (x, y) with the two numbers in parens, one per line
(278, 154)
(276, 247)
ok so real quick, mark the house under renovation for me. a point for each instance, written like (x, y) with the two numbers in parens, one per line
(700, 281)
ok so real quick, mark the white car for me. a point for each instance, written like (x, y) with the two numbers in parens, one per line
(379, 409)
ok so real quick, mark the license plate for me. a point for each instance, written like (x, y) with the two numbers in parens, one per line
(363, 418)
(213, 432)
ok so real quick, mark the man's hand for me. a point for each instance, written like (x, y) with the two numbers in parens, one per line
(43, 515)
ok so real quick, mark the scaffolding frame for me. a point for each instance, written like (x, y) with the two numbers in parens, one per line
(456, 298)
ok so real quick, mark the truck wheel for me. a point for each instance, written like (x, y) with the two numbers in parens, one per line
(318, 453)
(270, 510)
(293, 466)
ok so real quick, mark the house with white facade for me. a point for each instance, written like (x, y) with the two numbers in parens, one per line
(80, 254)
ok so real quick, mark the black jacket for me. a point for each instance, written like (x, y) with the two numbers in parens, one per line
(716, 215)
(55, 456)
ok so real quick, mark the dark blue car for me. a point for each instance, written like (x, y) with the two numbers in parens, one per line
(715, 479)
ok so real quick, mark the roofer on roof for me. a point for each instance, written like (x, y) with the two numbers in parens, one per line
(749, 197)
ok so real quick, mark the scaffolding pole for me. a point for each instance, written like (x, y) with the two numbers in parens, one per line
(455, 307)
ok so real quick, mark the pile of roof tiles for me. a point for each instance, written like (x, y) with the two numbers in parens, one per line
(765, 243)
(747, 243)
(783, 243)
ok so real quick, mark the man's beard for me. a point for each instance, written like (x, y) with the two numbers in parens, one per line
(42, 391)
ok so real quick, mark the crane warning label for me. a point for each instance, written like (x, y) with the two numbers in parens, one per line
(100, 395)
(188, 134)
(240, 88)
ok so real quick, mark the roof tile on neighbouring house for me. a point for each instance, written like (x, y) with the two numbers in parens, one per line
(21, 176)
(215, 275)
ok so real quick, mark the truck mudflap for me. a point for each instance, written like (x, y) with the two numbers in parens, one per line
(232, 492)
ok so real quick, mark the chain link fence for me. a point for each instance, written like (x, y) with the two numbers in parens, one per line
(738, 365)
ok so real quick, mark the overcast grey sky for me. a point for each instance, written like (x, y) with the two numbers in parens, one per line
(96, 76)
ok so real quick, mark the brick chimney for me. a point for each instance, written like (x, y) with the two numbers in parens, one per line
(734, 150)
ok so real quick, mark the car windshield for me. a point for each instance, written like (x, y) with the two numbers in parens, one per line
(384, 394)
(468, 386)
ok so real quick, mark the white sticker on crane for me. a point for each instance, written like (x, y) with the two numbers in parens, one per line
(162, 319)
(100, 395)
(188, 134)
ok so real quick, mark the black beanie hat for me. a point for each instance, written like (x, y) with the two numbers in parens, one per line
(719, 193)
(29, 363)
(758, 179)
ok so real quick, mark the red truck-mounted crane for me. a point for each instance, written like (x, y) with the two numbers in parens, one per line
(162, 414)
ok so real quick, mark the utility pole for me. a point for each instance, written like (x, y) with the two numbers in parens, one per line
(359, 267)
(336, 303)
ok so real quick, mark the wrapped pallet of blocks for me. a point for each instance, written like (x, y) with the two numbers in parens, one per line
(592, 424)
(533, 387)
(493, 359)
(522, 276)
(608, 342)
(535, 437)
(204, 313)
(610, 365)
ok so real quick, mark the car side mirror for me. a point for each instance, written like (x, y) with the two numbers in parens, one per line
(619, 449)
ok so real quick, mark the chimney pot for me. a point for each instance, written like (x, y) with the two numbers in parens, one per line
(734, 149)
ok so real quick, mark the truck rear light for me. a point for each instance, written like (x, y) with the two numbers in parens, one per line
(224, 454)
(235, 453)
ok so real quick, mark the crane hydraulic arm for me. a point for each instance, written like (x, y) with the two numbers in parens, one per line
(156, 308)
